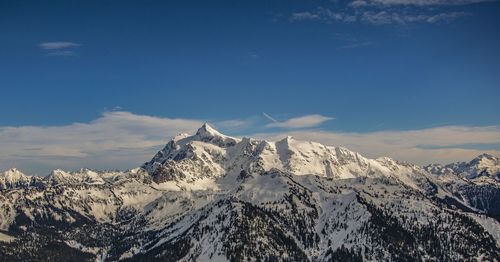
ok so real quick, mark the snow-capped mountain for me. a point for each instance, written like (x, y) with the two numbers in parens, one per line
(475, 183)
(13, 178)
(212, 197)
(482, 169)
(209, 155)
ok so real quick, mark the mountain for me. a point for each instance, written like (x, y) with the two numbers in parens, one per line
(482, 169)
(212, 197)
(474, 183)
(14, 178)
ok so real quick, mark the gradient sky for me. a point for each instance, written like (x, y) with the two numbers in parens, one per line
(351, 67)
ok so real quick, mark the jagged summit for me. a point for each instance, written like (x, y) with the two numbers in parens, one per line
(484, 165)
(212, 155)
(206, 130)
(484, 168)
(179, 137)
(286, 140)
(206, 133)
(13, 178)
(488, 156)
(10, 170)
(485, 159)
(12, 173)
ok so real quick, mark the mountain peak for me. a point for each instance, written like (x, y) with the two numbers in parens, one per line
(483, 167)
(12, 177)
(286, 140)
(486, 156)
(208, 131)
(12, 172)
(484, 160)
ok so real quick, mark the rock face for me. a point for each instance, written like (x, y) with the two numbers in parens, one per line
(212, 197)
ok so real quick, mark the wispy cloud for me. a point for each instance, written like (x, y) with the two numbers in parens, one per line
(235, 124)
(299, 122)
(114, 140)
(377, 17)
(301, 16)
(57, 45)
(323, 14)
(384, 12)
(384, 17)
(59, 48)
(363, 3)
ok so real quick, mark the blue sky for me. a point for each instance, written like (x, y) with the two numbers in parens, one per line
(350, 67)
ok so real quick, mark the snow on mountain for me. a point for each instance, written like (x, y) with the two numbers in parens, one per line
(13, 178)
(209, 154)
(85, 175)
(212, 197)
(475, 183)
(484, 168)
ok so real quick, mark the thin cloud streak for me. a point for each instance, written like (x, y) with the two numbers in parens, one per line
(300, 122)
(60, 48)
(384, 18)
(57, 45)
(269, 117)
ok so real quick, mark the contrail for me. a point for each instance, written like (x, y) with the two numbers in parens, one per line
(270, 117)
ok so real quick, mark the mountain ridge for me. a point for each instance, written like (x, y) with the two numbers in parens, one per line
(209, 196)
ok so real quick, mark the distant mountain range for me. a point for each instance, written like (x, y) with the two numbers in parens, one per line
(212, 197)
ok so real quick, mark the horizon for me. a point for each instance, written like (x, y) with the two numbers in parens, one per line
(105, 84)
(272, 137)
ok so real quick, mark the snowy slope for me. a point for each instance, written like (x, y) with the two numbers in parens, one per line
(13, 178)
(209, 154)
(482, 169)
(212, 197)
(475, 183)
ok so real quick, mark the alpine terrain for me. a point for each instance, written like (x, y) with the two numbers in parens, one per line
(212, 197)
